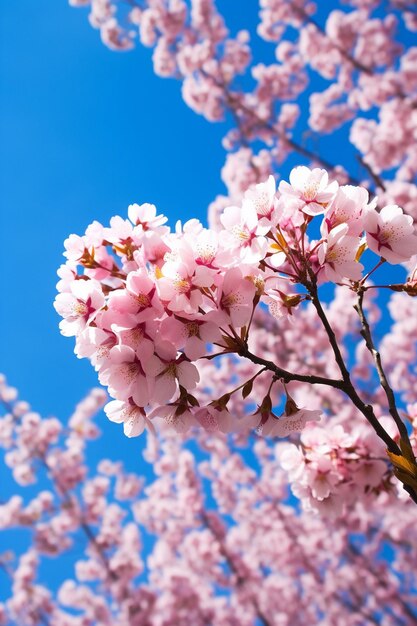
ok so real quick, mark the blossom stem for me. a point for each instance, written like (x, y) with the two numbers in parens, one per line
(264, 369)
(380, 262)
(393, 287)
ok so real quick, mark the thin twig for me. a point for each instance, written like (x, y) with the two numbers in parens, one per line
(367, 335)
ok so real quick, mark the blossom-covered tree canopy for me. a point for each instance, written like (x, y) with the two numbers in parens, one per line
(269, 359)
(347, 67)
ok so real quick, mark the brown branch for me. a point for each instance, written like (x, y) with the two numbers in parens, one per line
(93, 540)
(309, 154)
(344, 385)
(402, 429)
(367, 335)
(349, 389)
(234, 104)
(287, 376)
(86, 528)
(347, 386)
(375, 177)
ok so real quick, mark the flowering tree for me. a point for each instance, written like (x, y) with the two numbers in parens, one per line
(354, 68)
(259, 333)
(211, 539)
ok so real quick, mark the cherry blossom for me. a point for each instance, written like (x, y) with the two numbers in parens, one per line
(235, 299)
(337, 255)
(78, 307)
(310, 186)
(244, 233)
(390, 234)
(133, 417)
(162, 319)
(347, 207)
(293, 422)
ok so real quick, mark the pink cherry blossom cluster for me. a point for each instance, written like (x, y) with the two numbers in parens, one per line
(330, 467)
(210, 538)
(357, 58)
(147, 305)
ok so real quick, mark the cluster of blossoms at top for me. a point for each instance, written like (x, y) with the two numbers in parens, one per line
(149, 303)
(345, 58)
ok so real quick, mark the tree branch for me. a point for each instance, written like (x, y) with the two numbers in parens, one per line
(347, 386)
(367, 335)
(349, 389)
(287, 376)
